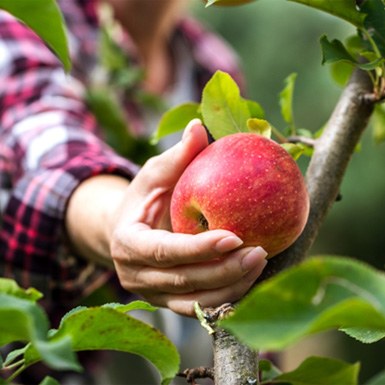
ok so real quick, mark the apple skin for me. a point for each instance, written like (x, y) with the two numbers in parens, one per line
(247, 184)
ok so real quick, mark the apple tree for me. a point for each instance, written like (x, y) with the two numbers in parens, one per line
(297, 296)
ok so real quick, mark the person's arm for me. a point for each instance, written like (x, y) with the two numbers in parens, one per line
(109, 220)
(49, 144)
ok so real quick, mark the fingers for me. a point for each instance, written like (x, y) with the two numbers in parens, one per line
(165, 169)
(140, 245)
(241, 264)
(184, 303)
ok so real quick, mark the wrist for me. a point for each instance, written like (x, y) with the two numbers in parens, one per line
(90, 216)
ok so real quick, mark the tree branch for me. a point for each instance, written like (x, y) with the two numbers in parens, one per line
(332, 153)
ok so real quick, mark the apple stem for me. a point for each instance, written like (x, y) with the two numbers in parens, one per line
(204, 224)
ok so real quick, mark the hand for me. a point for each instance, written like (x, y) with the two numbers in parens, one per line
(176, 270)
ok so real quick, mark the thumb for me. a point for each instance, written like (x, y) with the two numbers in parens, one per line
(165, 169)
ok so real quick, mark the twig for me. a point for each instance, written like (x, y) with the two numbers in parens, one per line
(302, 139)
(201, 372)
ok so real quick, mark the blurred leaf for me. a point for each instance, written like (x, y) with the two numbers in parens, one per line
(286, 101)
(105, 106)
(344, 9)
(43, 17)
(363, 335)
(57, 353)
(25, 321)
(355, 44)
(255, 109)
(10, 286)
(294, 149)
(14, 354)
(321, 371)
(320, 294)
(134, 305)
(268, 370)
(371, 65)
(375, 22)
(379, 123)
(111, 55)
(224, 111)
(175, 120)
(378, 379)
(109, 114)
(21, 320)
(259, 126)
(334, 51)
(49, 381)
(109, 328)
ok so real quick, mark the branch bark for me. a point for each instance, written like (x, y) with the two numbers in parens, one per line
(332, 153)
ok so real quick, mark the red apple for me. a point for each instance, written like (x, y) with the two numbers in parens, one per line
(245, 183)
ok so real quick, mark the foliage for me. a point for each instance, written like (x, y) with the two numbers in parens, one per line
(320, 294)
(45, 18)
(109, 326)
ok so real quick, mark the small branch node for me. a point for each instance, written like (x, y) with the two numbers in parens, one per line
(302, 139)
(200, 372)
(213, 315)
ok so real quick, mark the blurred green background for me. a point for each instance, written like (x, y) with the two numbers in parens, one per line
(273, 39)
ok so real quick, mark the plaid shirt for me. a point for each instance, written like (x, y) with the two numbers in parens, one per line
(50, 142)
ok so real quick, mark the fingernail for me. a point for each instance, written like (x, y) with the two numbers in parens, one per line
(227, 244)
(188, 129)
(253, 258)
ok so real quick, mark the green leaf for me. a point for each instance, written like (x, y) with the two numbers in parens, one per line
(259, 126)
(9, 286)
(134, 305)
(375, 22)
(321, 371)
(175, 120)
(105, 328)
(49, 381)
(294, 149)
(109, 114)
(286, 101)
(341, 72)
(334, 51)
(379, 124)
(255, 109)
(45, 18)
(320, 294)
(378, 379)
(21, 320)
(25, 321)
(57, 353)
(364, 335)
(224, 111)
(268, 370)
(344, 9)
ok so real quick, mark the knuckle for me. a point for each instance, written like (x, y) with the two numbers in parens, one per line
(182, 284)
(161, 255)
(151, 163)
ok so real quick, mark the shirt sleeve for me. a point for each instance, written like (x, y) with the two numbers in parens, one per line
(49, 144)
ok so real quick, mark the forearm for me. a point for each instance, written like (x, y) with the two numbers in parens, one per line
(90, 214)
